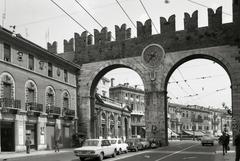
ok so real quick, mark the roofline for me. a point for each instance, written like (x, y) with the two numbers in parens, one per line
(20, 38)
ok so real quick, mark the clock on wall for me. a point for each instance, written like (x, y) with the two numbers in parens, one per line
(152, 55)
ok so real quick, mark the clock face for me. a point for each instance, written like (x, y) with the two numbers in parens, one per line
(152, 55)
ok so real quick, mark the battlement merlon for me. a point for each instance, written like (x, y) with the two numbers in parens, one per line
(215, 19)
(82, 41)
(144, 30)
(191, 23)
(68, 45)
(52, 47)
(122, 33)
(103, 36)
(168, 26)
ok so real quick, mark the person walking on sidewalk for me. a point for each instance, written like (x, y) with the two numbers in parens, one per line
(28, 144)
(237, 148)
(56, 145)
(224, 141)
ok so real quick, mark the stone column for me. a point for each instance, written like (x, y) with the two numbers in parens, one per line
(107, 124)
(115, 125)
(123, 127)
(41, 133)
(84, 117)
(20, 128)
(236, 107)
(156, 125)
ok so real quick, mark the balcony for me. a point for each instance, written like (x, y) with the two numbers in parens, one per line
(9, 104)
(68, 113)
(53, 110)
(197, 120)
(34, 107)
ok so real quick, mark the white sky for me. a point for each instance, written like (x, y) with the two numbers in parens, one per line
(35, 20)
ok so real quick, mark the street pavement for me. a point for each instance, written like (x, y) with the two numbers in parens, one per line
(176, 151)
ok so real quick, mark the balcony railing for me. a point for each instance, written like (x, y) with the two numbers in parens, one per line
(53, 110)
(68, 112)
(10, 103)
(34, 107)
(199, 120)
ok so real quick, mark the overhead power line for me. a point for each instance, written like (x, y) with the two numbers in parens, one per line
(71, 17)
(90, 15)
(197, 3)
(126, 13)
(148, 15)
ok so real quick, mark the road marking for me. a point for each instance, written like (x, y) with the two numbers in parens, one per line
(189, 158)
(175, 153)
(187, 152)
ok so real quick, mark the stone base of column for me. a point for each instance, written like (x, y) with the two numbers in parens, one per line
(42, 147)
(20, 148)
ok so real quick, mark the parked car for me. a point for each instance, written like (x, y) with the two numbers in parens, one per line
(145, 143)
(119, 145)
(134, 144)
(207, 139)
(95, 148)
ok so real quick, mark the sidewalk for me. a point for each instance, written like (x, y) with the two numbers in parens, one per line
(230, 156)
(7, 155)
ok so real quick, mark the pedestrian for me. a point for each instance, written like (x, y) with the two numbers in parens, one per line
(224, 141)
(237, 147)
(28, 144)
(56, 145)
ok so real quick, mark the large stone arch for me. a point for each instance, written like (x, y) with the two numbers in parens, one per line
(90, 75)
(223, 55)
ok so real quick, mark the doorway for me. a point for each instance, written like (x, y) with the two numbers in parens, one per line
(7, 137)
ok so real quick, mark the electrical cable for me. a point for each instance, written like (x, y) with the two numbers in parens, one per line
(126, 13)
(148, 15)
(70, 16)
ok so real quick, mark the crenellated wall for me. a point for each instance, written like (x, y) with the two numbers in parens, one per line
(191, 37)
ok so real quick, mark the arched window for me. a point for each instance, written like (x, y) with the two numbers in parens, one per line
(7, 86)
(50, 96)
(30, 92)
(66, 100)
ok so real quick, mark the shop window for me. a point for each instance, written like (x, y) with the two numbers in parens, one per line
(7, 52)
(30, 62)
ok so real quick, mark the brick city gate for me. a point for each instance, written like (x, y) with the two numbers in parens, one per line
(154, 58)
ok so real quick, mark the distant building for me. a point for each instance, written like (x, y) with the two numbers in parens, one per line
(197, 120)
(111, 118)
(134, 98)
(103, 87)
(37, 95)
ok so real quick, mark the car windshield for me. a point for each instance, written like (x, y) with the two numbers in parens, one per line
(207, 136)
(113, 141)
(91, 143)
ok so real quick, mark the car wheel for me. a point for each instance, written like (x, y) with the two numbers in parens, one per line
(114, 153)
(81, 159)
(120, 151)
(100, 158)
(202, 144)
(212, 144)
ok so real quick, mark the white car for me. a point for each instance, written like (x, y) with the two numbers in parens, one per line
(95, 148)
(119, 145)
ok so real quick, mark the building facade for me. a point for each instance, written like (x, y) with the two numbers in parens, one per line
(198, 120)
(134, 98)
(112, 119)
(37, 95)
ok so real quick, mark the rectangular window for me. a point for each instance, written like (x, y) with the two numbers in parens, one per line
(7, 90)
(50, 70)
(7, 52)
(30, 62)
(65, 76)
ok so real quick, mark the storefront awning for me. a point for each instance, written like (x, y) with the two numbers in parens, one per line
(196, 133)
